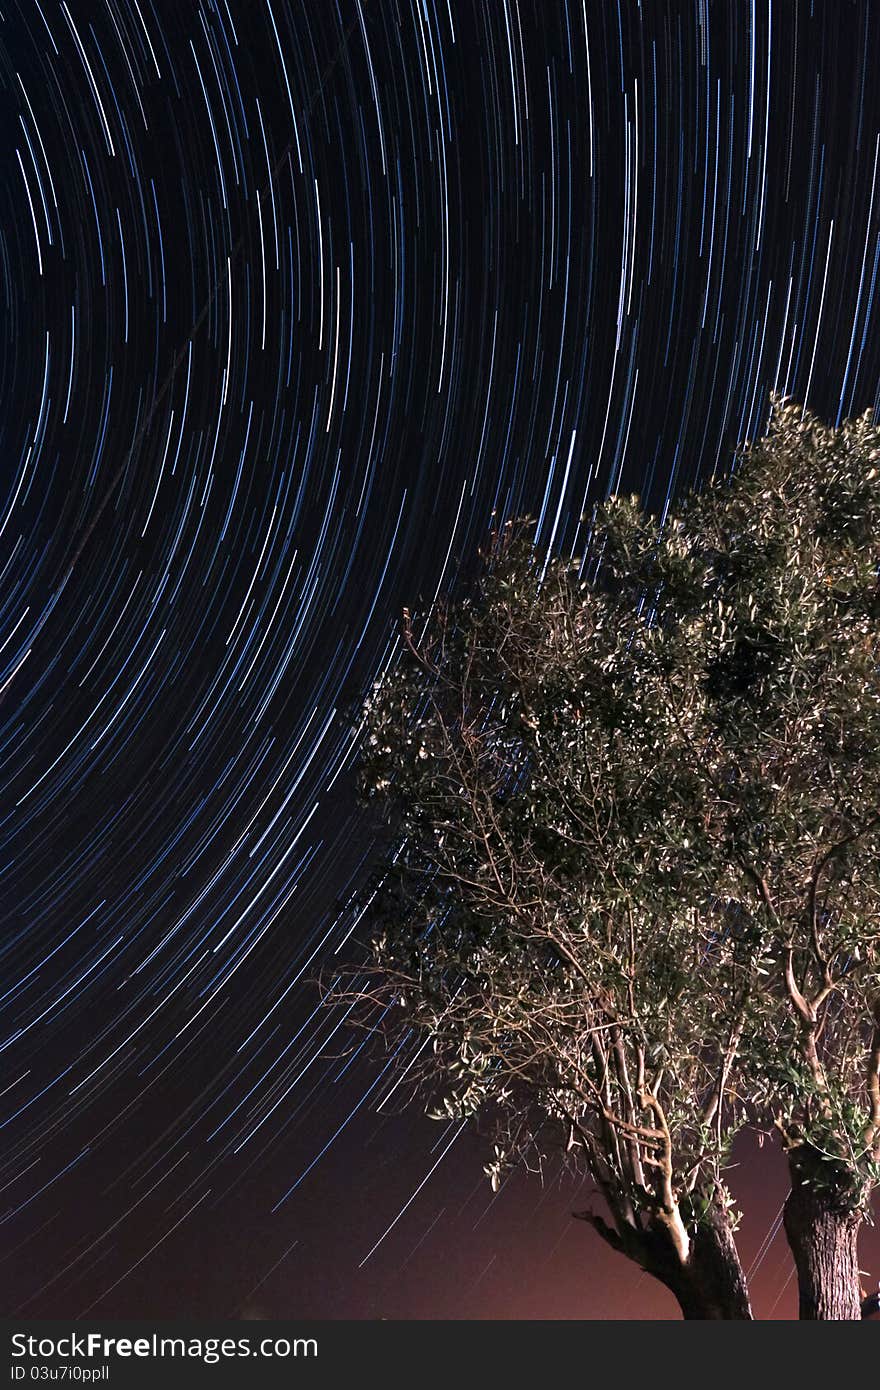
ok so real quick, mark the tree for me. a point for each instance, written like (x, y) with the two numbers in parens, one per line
(633, 901)
(791, 770)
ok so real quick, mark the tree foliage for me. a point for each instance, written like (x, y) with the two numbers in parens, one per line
(636, 798)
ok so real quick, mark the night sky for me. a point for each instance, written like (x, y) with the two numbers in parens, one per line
(296, 296)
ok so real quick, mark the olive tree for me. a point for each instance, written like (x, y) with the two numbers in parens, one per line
(632, 901)
(534, 924)
(773, 577)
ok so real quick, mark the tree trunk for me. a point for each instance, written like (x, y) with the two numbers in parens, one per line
(822, 1217)
(710, 1284)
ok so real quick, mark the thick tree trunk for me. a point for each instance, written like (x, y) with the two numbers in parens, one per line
(822, 1218)
(710, 1284)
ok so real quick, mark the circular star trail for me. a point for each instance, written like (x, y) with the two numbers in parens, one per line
(297, 297)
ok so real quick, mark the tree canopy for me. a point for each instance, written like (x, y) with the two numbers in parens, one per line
(635, 800)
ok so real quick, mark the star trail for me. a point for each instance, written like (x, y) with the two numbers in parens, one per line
(298, 298)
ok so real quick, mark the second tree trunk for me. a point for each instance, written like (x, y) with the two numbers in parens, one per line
(822, 1217)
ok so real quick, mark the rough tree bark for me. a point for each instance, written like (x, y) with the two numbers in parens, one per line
(823, 1214)
(710, 1284)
